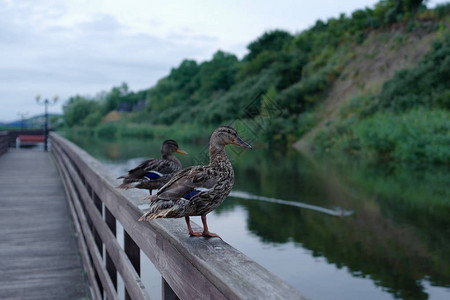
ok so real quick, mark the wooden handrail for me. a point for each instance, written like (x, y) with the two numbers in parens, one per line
(191, 268)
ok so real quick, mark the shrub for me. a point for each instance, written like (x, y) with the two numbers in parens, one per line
(107, 130)
(419, 135)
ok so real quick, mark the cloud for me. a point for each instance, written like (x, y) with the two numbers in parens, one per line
(101, 23)
(53, 52)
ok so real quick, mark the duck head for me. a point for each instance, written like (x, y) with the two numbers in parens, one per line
(225, 135)
(170, 146)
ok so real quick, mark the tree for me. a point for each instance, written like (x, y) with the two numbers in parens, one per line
(77, 109)
(270, 41)
(113, 98)
(219, 73)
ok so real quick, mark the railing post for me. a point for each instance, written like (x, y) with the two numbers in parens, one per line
(110, 267)
(134, 254)
(167, 292)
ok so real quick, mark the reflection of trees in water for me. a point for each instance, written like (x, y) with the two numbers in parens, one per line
(395, 241)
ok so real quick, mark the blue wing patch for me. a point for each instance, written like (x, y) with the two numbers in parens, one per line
(191, 194)
(194, 192)
(152, 175)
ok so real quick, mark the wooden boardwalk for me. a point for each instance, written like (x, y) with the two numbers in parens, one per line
(39, 256)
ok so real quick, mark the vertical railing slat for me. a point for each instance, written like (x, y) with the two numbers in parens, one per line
(134, 254)
(111, 222)
(167, 292)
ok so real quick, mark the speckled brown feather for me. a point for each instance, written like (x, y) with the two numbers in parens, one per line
(215, 180)
(167, 165)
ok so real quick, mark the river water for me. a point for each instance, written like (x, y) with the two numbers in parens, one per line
(333, 229)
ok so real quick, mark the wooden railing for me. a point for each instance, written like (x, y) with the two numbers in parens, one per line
(3, 142)
(191, 268)
(16, 132)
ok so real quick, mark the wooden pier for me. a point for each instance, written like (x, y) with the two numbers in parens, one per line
(39, 256)
(40, 251)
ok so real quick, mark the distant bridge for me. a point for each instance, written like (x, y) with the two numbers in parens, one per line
(37, 230)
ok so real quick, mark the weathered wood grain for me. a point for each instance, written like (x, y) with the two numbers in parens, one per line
(89, 237)
(195, 268)
(39, 256)
(118, 256)
(95, 289)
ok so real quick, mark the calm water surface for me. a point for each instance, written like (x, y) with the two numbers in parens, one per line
(342, 230)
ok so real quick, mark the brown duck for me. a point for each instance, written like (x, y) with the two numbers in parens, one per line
(197, 190)
(154, 173)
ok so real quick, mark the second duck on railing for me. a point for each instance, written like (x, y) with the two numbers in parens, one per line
(154, 173)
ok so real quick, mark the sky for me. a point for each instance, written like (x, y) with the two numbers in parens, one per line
(83, 47)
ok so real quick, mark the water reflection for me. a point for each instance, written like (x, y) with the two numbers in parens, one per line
(397, 238)
(337, 211)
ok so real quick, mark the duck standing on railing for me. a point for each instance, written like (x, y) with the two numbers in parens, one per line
(154, 173)
(198, 190)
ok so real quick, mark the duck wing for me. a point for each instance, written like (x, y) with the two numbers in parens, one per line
(187, 184)
(181, 195)
(152, 169)
(149, 174)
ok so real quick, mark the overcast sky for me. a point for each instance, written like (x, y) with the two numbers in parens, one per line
(69, 47)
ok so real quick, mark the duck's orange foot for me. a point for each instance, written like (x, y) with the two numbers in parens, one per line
(208, 234)
(193, 233)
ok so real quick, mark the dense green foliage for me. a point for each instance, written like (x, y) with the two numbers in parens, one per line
(427, 84)
(408, 120)
(278, 83)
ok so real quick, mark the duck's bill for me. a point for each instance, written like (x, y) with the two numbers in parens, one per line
(181, 151)
(241, 143)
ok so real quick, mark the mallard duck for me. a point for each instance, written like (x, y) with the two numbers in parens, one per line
(198, 190)
(154, 173)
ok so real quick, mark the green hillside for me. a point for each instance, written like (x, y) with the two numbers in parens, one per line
(373, 83)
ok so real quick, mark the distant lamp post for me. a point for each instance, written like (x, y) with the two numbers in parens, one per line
(22, 119)
(46, 102)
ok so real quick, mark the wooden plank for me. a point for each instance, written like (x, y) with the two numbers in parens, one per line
(39, 255)
(94, 253)
(12, 134)
(95, 290)
(130, 277)
(193, 267)
(90, 241)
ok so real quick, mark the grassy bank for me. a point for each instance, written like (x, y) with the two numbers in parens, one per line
(419, 135)
(190, 133)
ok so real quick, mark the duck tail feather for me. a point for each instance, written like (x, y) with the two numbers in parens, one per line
(151, 198)
(125, 186)
(150, 215)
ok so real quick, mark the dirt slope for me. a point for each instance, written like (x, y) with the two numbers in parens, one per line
(372, 63)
